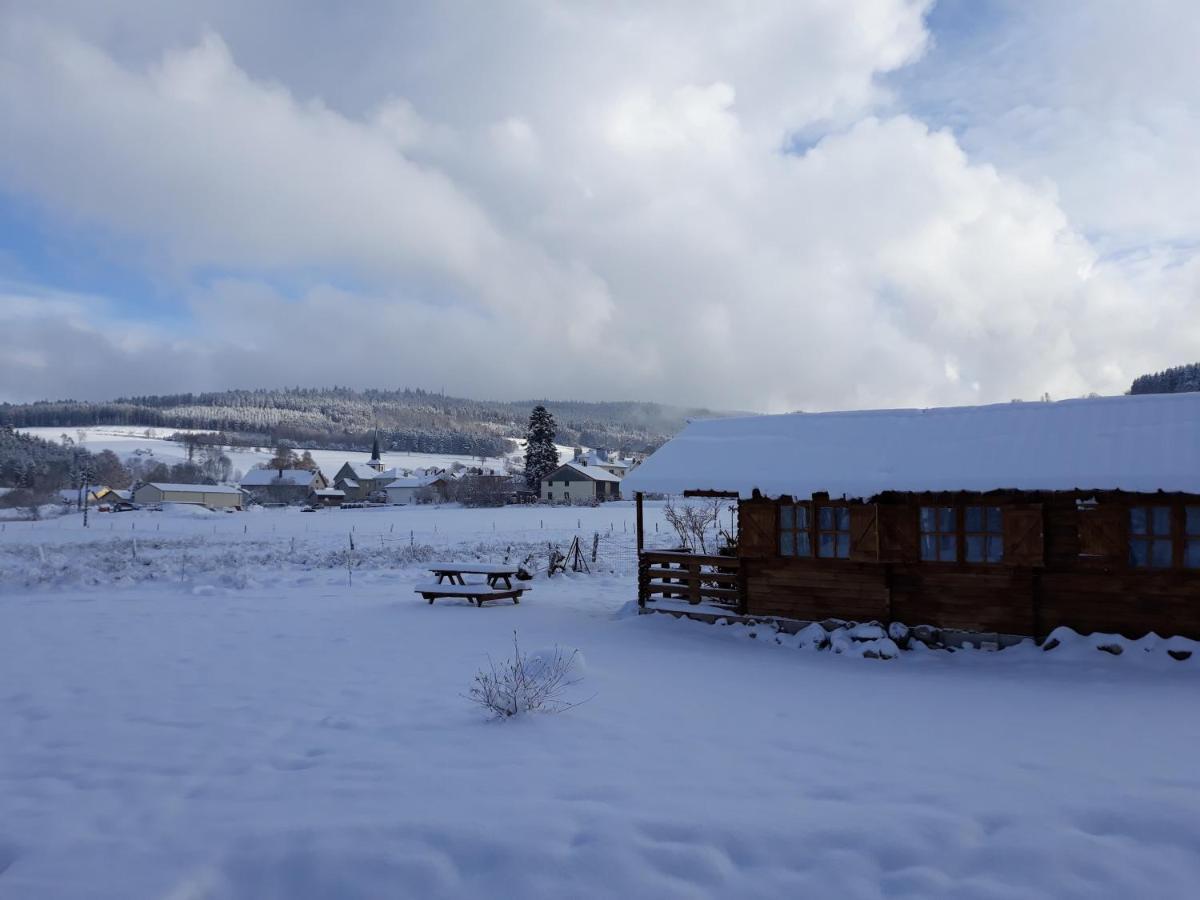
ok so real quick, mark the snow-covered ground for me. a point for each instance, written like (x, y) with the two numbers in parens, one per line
(129, 440)
(223, 713)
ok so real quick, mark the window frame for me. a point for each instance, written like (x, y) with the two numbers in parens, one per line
(838, 509)
(1188, 537)
(795, 531)
(1152, 536)
(986, 534)
(955, 532)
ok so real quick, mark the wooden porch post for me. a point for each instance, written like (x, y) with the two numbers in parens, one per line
(643, 569)
(640, 540)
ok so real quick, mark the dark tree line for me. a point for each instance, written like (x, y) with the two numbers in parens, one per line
(1177, 380)
(340, 418)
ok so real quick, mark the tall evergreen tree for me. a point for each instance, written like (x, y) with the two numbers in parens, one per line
(541, 455)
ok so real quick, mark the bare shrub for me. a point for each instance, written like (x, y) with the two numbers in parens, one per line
(698, 523)
(525, 683)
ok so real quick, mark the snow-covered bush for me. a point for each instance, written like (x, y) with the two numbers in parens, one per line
(526, 683)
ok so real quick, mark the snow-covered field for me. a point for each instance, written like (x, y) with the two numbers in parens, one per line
(129, 440)
(225, 713)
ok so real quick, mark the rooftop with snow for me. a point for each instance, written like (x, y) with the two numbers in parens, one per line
(1141, 443)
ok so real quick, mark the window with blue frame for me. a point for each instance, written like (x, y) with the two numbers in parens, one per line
(1150, 544)
(794, 524)
(1191, 544)
(939, 534)
(833, 532)
(983, 530)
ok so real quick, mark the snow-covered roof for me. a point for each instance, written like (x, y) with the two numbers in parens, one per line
(411, 482)
(196, 488)
(265, 477)
(349, 482)
(364, 472)
(1132, 443)
(594, 459)
(593, 472)
(329, 492)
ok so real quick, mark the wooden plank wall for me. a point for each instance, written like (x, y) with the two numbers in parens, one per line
(796, 589)
(1097, 592)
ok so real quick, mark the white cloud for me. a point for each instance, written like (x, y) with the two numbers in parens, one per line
(587, 203)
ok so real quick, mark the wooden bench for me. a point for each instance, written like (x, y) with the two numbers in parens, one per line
(476, 593)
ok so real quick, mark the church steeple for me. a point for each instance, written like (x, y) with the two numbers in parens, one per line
(376, 462)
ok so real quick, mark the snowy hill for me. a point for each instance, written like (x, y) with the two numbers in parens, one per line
(129, 441)
(339, 418)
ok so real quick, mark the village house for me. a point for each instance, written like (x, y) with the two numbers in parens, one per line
(326, 497)
(214, 496)
(575, 483)
(403, 490)
(282, 485)
(602, 459)
(1009, 520)
(436, 487)
(362, 480)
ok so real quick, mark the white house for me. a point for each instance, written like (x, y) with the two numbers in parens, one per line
(575, 482)
(214, 496)
(403, 491)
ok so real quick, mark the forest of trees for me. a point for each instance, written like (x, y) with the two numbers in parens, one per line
(345, 419)
(1177, 380)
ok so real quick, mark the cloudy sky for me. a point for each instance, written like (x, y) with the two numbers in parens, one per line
(809, 204)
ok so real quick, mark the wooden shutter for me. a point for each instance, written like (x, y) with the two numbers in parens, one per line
(898, 539)
(757, 528)
(864, 532)
(1100, 532)
(1024, 540)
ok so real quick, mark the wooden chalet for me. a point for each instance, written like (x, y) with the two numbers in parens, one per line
(1009, 519)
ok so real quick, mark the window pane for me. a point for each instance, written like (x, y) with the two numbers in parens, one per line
(928, 546)
(843, 519)
(787, 516)
(801, 516)
(803, 548)
(946, 518)
(1139, 553)
(1191, 555)
(1193, 520)
(946, 548)
(825, 545)
(995, 524)
(825, 518)
(995, 549)
(1160, 555)
(1137, 519)
(843, 546)
(974, 518)
(787, 543)
(975, 548)
(1162, 520)
(928, 518)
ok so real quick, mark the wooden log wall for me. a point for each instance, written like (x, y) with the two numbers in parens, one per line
(1066, 563)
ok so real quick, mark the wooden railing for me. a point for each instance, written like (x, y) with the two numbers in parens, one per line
(678, 575)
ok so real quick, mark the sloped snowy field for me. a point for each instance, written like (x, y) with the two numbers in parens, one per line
(250, 726)
(129, 440)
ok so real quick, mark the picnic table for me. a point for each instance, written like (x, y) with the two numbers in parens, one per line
(451, 583)
(494, 572)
